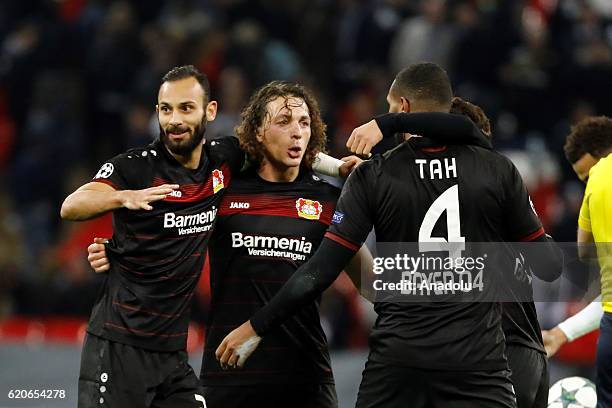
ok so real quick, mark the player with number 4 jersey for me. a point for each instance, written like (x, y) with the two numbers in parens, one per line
(524, 345)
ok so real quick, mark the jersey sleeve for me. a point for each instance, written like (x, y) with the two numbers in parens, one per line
(584, 219)
(522, 222)
(354, 216)
(228, 150)
(115, 173)
(442, 127)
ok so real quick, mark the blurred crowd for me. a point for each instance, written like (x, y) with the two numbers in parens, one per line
(79, 80)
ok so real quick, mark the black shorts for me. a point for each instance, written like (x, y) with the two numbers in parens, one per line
(388, 386)
(115, 375)
(529, 374)
(272, 396)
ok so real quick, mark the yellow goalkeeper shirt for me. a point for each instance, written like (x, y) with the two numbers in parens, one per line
(596, 217)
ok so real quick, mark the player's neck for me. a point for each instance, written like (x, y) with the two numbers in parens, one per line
(276, 173)
(190, 161)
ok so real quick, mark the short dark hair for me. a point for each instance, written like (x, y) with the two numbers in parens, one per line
(474, 112)
(591, 135)
(255, 113)
(424, 81)
(189, 71)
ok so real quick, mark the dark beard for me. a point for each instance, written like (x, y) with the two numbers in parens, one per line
(184, 148)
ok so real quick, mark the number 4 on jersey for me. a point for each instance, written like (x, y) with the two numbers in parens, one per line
(455, 244)
(201, 399)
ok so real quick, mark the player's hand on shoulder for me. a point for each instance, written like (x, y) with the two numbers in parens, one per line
(364, 138)
(97, 255)
(350, 164)
(237, 346)
(141, 199)
(553, 340)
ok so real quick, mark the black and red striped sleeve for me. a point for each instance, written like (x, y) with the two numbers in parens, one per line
(113, 173)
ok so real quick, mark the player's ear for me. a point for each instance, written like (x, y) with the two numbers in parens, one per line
(211, 111)
(404, 105)
(157, 109)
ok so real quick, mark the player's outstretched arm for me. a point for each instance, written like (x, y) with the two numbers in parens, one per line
(94, 199)
(444, 127)
(583, 322)
(306, 284)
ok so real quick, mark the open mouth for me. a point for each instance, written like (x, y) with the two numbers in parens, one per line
(295, 152)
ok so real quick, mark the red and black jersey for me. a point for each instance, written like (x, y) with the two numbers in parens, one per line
(156, 256)
(265, 231)
(481, 196)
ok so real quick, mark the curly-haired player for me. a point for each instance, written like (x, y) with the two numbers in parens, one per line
(589, 150)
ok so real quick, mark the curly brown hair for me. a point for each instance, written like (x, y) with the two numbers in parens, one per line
(474, 112)
(255, 114)
(592, 135)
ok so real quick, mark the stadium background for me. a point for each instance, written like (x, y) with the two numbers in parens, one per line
(78, 83)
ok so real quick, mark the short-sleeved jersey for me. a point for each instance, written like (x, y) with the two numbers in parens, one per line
(596, 217)
(264, 233)
(394, 193)
(156, 256)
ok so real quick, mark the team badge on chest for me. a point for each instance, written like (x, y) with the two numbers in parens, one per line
(309, 209)
(217, 181)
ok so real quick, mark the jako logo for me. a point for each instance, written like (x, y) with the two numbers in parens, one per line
(176, 193)
(235, 204)
(309, 209)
